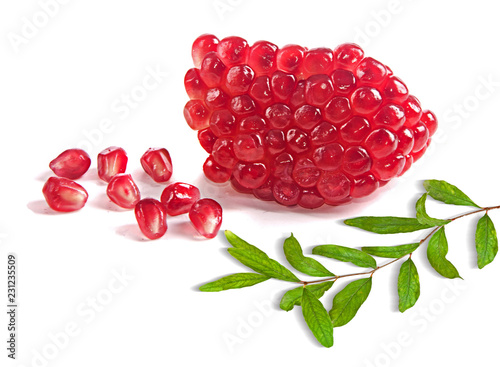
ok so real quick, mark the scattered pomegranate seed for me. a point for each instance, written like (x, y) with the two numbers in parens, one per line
(206, 216)
(151, 216)
(64, 195)
(157, 164)
(123, 191)
(179, 197)
(71, 163)
(111, 161)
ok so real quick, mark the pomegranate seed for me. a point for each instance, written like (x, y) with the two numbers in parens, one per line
(248, 147)
(157, 164)
(348, 56)
(195, 88)
(262, 57)
(329, 157)
(366, 100)
(196, 114)
(319, 89)
(282, 85)
(215, 99)
(370, 71)
(202, 46)
(343, 81)
(260, 90)
(215, 172)
(286, 192)
(289, 58)
(413, 111)
(429, 120)
(64, 195)
(123, 191)
(305, 173)
(381, 142)
(207, 139)
(421, 136)
(251, 175)
(71, 163)
(212, 70)
(151, 216)
(311, 199)
(323, 134)
(318, 61)
(264, 192)
(222, 123)
(355, 130)
(279, 115)
(111, 161)
(179, 197)
(232, 50)
(338, 110)
(307, 117)
(239, 79)
(395, 89)
(223, 153)
(206, 216)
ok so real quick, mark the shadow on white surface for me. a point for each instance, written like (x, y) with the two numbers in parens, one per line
(41, 207)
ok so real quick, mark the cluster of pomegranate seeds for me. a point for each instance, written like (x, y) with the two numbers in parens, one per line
(64, 195)
(301, 126)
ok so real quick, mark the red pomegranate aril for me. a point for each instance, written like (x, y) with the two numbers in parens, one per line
(239, 79)
(222, 123)
(72, 164)
(64, 195)
(289, 58)
(206, 216)
(264, 192)
(310, 199)
(329, 157)
(223, 153)
(363, 185)
(151, 215)
(242, 105)
(275, 141)
(215, 172)
(343, 81)
(366, 100)
(307, 117)
(297, 141)
(232, 50)
(215, 99)
(348, 56)
(279, 116)
(253, 124)
(417, 155)
(388, 167)
(262, 57)
(238, 188)
(282, 166)
(395, 89)
(318, 61)
(111, 161)
(123, 191)
(421, 136)
(260, 90)
(248, 147)
(195, 88)
(179, 197)
(157, 164)
(408, 163)
(355, 130)
(282, 85)
(286, 192)
(429, 120)
(338, 110)
(319, 89)
(212, 70)
(370, 71)
(305, 173)
(251, 175)
(413, 110)
(406, 141)
(196, 114)
(381, 142)
(390, 115)
(323, 134)
(298, 97)
(356, 161)
(207, 139)
(203, 45)
(334, 187)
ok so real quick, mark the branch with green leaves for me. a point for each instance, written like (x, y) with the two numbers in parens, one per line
(348, 301)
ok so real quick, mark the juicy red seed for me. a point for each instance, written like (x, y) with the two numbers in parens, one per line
(282, 85)
(215, 172)
(239, 79)
(370, 72)
(297, 141)
(307, 117)
(318, 61)
(196, 114)
(289, 58)
(111, 161)
(406, 141)
(275, 141)
(248, 147)
(319, 89)
(390, 115)
(388, 167)
(429, 120)
(395, 90)
(355, 130)
(223, 153)
(260, 90)
(71, 163)
(151, 215)
(334, 187)
(413, 111)
(206, 216)
(381, 142)
(179, 197)
(215, 98)
(282, 166)
(232, 50)
(348, 56)
(262, 57)
(417, 155)
(421, 135)
(338, 110)
(366, 100)
(286, 192)
(253, 123)
(123, 191)
(212, 70)
(305, 173)
(195, 88)
(356, 161)
(329, 157)
(251, 175)
(64, 195)
(279, 115)
(343, 81)
(264, 192)
(310, 199)
(323, 134)
(237, 186)
(363, 185)
(157, 164)
(242, 105)
(222, 123)
(408, 163)
(207, 139)
(203, 45)
(298, 97)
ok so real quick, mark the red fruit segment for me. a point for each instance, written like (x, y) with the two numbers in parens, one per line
(64, 195)
(203, 45)
(179, 197)
(123, 191)
(151, 215)
(111, 161)
(71, 163)
(206, 216)
(157, 164)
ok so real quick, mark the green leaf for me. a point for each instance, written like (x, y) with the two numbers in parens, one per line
(436, 253)
(387, 225)
(306, 265)
(486, 241)
(234, 281)
(392, 252)
(237, 242)
(447, 193)
(262, 264)
(424, 218)
(317, 318)
(346, 254)
(347, 302)
(408, 285)
(293, 296)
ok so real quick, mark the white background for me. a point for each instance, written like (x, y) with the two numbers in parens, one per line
(62, 78)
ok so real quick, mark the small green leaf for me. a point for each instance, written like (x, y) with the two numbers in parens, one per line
(424, 218)
(447, 193)
(486, 241)
(347, 302)
(408, 285)
(387, 225)
(237, 242)
(392, 252)
(346, 254)
(234, 281)
(317, 318)
(306, 265)
(293, 296)
(436, 253)
(262, 264)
